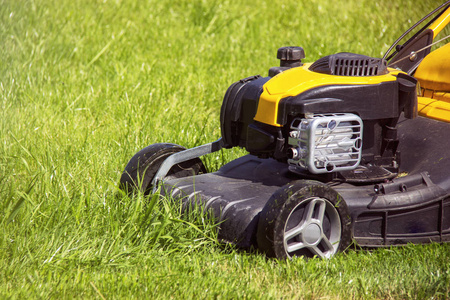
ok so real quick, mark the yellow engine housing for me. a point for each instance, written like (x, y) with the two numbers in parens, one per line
(295, 81)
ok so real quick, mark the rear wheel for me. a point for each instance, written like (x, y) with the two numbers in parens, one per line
(142, 167)
(306, 218)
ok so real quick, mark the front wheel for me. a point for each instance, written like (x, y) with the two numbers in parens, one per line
(142, 167)
(306, 218)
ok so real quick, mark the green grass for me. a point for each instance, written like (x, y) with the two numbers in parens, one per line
(86, 84)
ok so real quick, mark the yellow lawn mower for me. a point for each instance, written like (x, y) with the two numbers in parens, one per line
(347, 149)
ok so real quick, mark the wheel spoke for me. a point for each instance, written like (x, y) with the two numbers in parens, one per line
(315, 209)
(297, 230)
(325, 242)
(321, 210)
(310, 207)
(295, 246)
(316, 251)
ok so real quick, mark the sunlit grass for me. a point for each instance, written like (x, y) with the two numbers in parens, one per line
(86, 84)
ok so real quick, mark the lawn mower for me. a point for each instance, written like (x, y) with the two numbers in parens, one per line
(348, 149)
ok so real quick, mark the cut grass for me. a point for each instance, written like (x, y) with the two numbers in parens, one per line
(86, 84)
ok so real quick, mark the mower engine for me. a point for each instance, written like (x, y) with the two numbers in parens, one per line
(336, 116)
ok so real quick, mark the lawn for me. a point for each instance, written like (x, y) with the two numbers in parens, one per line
(85, 84)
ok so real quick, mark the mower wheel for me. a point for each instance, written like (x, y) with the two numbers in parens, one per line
(142, 167)
(304, 218)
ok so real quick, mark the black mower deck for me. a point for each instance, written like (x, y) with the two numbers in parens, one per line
(413, 208)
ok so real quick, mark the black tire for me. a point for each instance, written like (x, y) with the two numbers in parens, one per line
(142, 167)
(304, 218)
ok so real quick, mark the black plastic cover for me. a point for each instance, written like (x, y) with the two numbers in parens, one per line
(238, 109)
(370, 102)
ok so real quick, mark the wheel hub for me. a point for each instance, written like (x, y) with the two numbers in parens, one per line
(304, 232)
(312, 234)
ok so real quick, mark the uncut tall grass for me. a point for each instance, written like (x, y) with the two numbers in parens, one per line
(86, 84)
